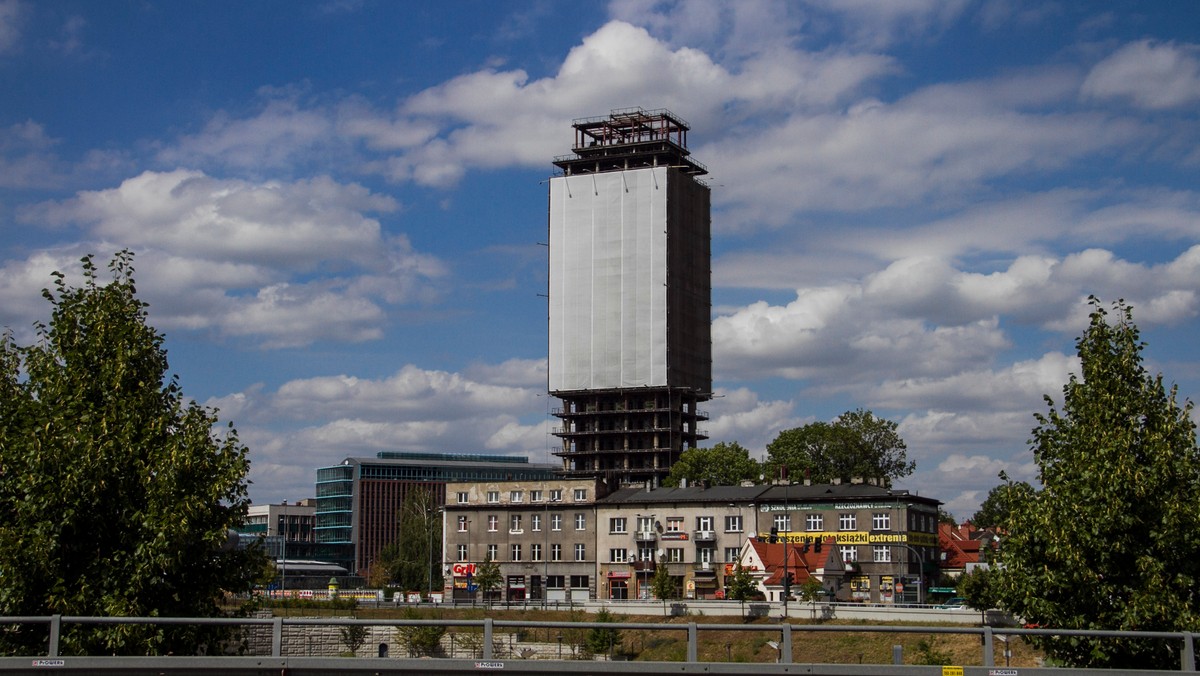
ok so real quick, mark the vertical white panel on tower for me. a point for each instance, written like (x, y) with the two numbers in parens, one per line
(608, 275)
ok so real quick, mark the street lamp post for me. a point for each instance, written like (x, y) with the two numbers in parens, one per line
(283, 550)
(429, 529)
(920, 569)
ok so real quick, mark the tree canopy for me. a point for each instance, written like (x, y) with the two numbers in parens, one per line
(117, 495)
(856, 444)
(488, 578)
(722, 465)
(415, 562)
(997, 507)
(1112, 539)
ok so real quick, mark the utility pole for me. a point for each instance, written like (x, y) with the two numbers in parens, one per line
(787, 540)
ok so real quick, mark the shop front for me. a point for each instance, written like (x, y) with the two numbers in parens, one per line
(705, 584)
(463, 577)
(515, 588)
(618, 586)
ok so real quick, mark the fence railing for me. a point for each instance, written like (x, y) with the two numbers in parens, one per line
(693, 630)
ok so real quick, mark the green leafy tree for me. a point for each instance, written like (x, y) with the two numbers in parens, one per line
(741, 586)
(419, 640)
(415, 561)
(354, 636)
(997, 507)
(810, 591)
(722, 465)
(602, 640)
(1112, 540)
(980, 588)
(662, 585)
(856, 444)
(117, 495)
(381, 572)
(487, 578)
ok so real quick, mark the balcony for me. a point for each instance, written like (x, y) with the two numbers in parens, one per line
(705, 535)
(645, 536)
(643, 566)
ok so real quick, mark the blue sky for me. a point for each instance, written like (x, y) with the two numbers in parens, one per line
(337, 207)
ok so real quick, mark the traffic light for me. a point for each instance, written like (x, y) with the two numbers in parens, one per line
(788, 580)
(774, 538)
(817, 546)
(805, 550)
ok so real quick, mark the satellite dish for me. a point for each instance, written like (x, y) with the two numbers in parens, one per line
(661, 551)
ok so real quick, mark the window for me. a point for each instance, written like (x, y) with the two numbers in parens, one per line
(556, 522)
(493, 497)
(733, 524)
(849, 553)
(731, 554)
(815, 522)
(675, 555)
(462, 498)
(579, 582)
(704, 523)
(704, 554)
(556, 552)
(535, 496)
(516, 496)
(462, 552)
(645, 553)
(847, 522)
(783, 522)
(616, 525)
(462, 524)
(535, 552)
(580, 495)
(514, 525)
(554, 582)
(556, 495)
(645, 524)
(883, 554)
(580, 551)
(493, 552)
(493, 522)
(616, 556)
(674, 524)
(516, 552)
(535, 522)
(580, 521)
(881, 521)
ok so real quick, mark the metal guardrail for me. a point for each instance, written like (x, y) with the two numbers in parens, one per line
(234, 665)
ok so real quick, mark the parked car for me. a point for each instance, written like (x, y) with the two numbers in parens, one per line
(956, 603)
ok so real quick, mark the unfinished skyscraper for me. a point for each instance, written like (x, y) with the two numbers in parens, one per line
(630, 297)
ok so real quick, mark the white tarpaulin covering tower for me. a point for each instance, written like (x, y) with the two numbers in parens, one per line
(630, 297)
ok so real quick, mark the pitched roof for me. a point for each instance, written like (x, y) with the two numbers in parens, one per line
(802, 564)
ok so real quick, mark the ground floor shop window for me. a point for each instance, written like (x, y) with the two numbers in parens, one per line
(618, 590)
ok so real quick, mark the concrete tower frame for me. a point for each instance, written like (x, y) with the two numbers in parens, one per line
(630, 346)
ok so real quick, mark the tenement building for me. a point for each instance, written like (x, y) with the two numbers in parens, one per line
(540, 533)
(570, 540)
(630, 347)
(885, 540)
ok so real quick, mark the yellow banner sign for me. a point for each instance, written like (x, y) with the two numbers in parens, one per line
(855, 538)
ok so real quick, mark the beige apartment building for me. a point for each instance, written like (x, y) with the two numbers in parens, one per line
(885, 539)
(695, 532)
(541, 534)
